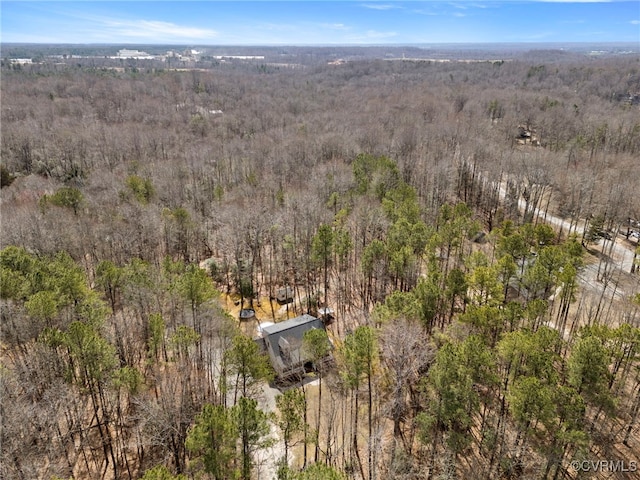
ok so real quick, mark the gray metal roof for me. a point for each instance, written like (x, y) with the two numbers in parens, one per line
(288, 324)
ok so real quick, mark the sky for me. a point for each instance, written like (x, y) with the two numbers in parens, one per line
(301, 22)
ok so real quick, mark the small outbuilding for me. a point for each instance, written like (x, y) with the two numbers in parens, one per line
(326, 314)
(284, 295)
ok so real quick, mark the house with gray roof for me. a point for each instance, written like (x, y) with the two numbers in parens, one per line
(283, 342)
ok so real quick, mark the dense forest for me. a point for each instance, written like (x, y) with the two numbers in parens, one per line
(473, 227)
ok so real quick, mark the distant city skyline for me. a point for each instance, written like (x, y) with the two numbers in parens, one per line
(319, 22)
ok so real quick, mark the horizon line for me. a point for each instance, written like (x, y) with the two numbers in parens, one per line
(400, 44)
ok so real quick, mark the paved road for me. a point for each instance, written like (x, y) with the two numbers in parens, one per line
(621, 257)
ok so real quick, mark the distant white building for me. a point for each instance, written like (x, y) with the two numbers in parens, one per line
(136, 54)
(239, 57)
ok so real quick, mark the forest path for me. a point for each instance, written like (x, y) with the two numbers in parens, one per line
(267, 458)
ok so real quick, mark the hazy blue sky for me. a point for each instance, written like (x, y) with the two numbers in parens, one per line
(320, 22)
